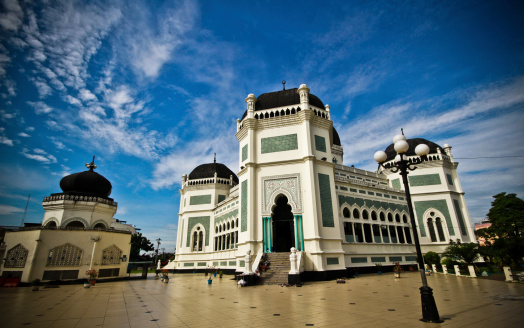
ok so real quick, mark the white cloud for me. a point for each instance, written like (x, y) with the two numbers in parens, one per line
(11, 19)
(40, 107)
(6, 141)
(39, 155)
(30, 129)
(24, 135)
(8, 209)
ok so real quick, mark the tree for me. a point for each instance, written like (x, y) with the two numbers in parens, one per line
(505, 236)
(431, 258)
(139, 243)
(462, 252)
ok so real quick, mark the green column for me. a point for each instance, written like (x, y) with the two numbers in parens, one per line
(296, 232)
(301, 234)
(269, 234)
(265, 232)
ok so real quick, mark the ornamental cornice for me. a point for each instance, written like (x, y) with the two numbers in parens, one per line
(241, 134)
(321, 122)
(324, 163)
(277, 122)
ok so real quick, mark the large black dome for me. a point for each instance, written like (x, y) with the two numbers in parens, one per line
(390, 151)
(88, 183)
(283, 98)
(208, 171)
(336, 138)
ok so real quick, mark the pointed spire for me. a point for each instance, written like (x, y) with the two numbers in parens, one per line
(215, 160)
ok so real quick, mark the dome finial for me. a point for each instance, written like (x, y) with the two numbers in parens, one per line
(91, 165)
(215, 160)
(284, 84)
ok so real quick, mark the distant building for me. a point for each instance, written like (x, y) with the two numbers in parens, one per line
(482, 225)
(292, 190)
(78, 232)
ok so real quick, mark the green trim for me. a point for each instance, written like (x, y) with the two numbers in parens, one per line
(200, 200)
(326, 205)
(189, 264)
(371, 203)
(332, 261)
(243, 207)
(232, 263)
(424, 180)
(395, 258)
(411, 258)
(378, 259)
(192, 222)
(223, 263)
(359, 260)
(279, 143)
(320, 143)
(460, 219)
(221, 198)
(244, 153)
(450, 179)
(226, 216)
(440, 205)
(201, 264)
(242, 264)
(395, 184)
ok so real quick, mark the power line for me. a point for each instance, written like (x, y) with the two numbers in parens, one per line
(487, 157)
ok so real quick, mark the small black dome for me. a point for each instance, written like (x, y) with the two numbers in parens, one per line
(88, 183)
(390, 151)
(283, 98)
(208, 171)
(336, 138)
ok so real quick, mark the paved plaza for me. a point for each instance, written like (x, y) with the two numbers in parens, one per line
(188, 301)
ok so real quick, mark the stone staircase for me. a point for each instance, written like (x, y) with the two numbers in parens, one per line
(278, 269)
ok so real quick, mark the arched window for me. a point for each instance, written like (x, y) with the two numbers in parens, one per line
(431, 229)
(195, 241)
(99, 226)
(16, 257)
(365, 215)
(64, 255)
(373, 215)
(356, 214)
(397, 218)
(346, 213)
(111, 255)
(228, 226)
(50, 224)
(440, 230)
(390, 217)
(200, 240)
(382, 216)
(75, 225)
(404, 218)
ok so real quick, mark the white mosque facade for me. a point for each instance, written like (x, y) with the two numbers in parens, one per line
(292, 190)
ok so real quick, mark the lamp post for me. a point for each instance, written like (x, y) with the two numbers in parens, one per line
(402, 165)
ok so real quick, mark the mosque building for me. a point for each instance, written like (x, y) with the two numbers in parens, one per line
(78, 233)
(292, 191)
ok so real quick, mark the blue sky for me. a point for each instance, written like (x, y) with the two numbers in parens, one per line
(154, 88)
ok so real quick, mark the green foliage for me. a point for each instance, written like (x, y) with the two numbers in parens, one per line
(139, 243)
(505, 236)
(449, 263)
(431, 258)
(462, 252)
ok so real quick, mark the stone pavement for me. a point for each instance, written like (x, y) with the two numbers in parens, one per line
(188, 301)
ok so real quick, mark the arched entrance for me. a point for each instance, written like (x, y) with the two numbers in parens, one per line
(283, 226)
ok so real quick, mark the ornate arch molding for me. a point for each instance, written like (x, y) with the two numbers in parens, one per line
(288, 185)
(65, 255)
(436, 214)
(76, 218)
(51, 219)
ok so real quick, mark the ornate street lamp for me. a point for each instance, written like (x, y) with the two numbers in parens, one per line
(402, 165)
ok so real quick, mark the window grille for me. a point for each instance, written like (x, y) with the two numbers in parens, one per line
(64, 255)
(111, 255)
(16, 257)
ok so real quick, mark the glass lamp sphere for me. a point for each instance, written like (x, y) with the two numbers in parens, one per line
(380, 156)
(422, 150)
(398, 137)
(401, 146)
(398, 158)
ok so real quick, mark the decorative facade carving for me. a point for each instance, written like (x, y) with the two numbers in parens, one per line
(64, 255)
(288, 185)
(16, 257)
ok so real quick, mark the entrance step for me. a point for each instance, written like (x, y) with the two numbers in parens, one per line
(278, 270)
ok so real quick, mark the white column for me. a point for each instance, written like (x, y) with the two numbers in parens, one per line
(507, 273)
(247, 269)
(472, 271)
(457, 270)
(444, 269)
(293, 260)
(434, 266)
